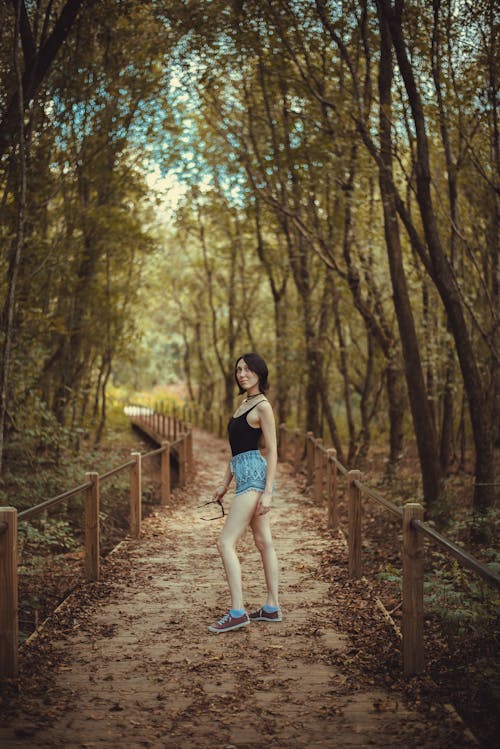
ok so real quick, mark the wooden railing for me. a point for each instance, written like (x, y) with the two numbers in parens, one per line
(194, 414)
(322, 470)
(175, 439)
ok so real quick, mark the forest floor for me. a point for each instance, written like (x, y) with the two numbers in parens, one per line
(129, 660)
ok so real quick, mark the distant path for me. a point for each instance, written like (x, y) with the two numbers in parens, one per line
(136, 667)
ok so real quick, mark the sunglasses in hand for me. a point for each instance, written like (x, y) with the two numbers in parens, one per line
(211, 502)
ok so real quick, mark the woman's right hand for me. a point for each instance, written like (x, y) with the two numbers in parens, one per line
(219, 493)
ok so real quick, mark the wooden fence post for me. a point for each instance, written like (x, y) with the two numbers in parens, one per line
(92, 539)
(165, 474)
(282, 443)
(189, 447)
(413, 591)
(318, 469)
(9, 624)
(135, 496)
(181, 452)
(331, 488)
(354, 513)
(310, 457)
(298, 449)
(185, 453)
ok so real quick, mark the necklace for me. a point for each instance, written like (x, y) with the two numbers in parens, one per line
(249, 397)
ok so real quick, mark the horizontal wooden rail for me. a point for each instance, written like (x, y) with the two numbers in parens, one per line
(341, 468)
(174, 437)
(466, 559)
(114, 471)
(152, 453)
(398, 511)
(32, 512)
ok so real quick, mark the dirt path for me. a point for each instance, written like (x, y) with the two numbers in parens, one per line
(134, 665)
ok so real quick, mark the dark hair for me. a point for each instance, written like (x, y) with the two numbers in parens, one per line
(256, 364)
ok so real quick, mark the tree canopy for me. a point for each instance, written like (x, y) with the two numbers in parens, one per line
(339, 164)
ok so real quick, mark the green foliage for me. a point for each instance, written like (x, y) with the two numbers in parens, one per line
(391, 575)
(465, 605)
(41, 438)
(486, 526)
(45, 536)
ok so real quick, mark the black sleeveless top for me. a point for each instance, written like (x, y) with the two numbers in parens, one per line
(243, 437)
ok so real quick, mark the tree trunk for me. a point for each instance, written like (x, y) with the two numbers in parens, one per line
(344, 370)
(15, 258)
(376, 325)
(70, 363)
(396, 402)
(329, 418)
(446, 446)
(313, 368)
(422, 419)
(107, 361)
(278, 291)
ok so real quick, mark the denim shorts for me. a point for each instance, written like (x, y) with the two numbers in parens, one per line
(249, 470)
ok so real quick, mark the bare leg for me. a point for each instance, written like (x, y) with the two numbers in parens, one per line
(261, 528)
(238, 520)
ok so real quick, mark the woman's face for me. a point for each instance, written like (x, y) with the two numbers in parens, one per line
(247, 379)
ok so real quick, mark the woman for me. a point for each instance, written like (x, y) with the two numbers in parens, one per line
(254, 489)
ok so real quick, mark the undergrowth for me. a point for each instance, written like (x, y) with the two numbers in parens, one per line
(50, 545)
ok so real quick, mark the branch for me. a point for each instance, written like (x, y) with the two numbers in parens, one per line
(27, 40)
(36, 69)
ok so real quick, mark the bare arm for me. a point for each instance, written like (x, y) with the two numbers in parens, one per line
(222, 489)
(268, 427)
